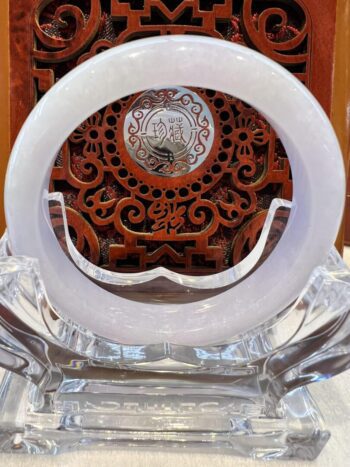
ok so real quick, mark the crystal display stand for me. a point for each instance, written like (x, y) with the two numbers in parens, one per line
(66, 388)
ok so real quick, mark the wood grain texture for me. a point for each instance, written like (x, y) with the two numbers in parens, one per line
(4, 103)
(340, 114)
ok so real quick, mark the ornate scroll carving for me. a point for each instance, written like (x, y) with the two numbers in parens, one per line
(274, 33)
(111, 179)
(68, 31)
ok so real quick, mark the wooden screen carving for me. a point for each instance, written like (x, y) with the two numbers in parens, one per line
(124, 218)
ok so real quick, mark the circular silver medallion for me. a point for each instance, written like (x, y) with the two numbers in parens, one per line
(169, 132)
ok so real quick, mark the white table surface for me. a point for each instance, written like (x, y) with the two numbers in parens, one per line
(332, 397)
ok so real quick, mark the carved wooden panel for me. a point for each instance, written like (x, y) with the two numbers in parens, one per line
(126, 208)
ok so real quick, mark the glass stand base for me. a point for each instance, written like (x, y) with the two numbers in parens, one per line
(66, 388)
(225, 418)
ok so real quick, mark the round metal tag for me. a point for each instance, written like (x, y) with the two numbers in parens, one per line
(169, 132)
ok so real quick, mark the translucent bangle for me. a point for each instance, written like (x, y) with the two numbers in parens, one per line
(307, 135)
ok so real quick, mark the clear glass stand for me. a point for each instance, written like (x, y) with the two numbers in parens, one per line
(65, 388)
(158, 411)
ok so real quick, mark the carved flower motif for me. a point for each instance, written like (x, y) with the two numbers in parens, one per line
(250, 130)
(89, 132)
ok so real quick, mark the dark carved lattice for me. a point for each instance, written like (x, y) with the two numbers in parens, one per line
(127, 220)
